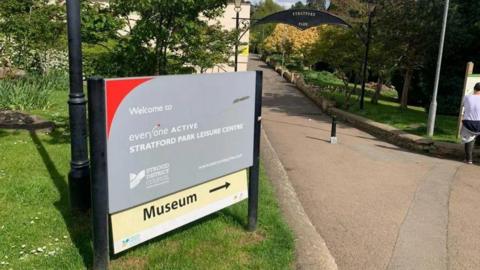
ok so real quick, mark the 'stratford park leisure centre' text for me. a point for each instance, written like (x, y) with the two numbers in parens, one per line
(184, 138)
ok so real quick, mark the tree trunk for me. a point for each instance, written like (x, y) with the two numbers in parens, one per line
(378, 90)
(406, 88)
(163, 67)
(349, 93)
(157, 58)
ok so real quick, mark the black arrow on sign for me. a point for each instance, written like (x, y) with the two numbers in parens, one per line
(220, 187)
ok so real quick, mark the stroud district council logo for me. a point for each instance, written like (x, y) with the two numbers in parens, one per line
(135, 179)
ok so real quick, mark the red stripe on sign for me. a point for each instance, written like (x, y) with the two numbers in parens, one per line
(115, 92)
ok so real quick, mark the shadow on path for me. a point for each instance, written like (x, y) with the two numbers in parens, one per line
(322, 129)
(393, 148)
(318, 139)
(78, 224)
(292, 104)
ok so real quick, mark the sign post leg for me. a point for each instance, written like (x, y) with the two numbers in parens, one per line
(98, 153)
(255, 169)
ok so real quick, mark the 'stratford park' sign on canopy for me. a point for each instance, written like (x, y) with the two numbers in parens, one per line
(303, 18)
(169, 150)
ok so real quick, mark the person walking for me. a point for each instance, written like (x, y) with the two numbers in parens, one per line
(471, 122)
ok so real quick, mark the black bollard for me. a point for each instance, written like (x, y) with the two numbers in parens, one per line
(333, 136)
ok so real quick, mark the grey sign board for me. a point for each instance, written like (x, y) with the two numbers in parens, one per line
(169, 133)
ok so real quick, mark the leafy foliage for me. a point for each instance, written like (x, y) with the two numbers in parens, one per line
(299, 5)
(353, 11)
(462, 45)
(404, 48)
(99, 24)
(29, 30)
(289, 40)
(343, 50)
(165, 26)
(102, 48)
(408, 27)
(318, 4)
(208, 46)
(259, 33)
(124, 38)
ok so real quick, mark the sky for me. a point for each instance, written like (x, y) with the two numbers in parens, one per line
(284, 3)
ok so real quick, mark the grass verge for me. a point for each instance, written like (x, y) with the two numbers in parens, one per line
(31, 91)
(38, 231)
(412, 120)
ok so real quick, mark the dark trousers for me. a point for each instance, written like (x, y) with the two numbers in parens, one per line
(469, 150)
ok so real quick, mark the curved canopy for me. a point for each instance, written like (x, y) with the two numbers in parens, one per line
(303, 18)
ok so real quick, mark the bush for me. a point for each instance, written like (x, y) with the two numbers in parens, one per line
(322, 78)
(295, 63)
(31, 92)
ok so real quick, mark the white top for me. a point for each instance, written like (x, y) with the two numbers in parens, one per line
(472, 107)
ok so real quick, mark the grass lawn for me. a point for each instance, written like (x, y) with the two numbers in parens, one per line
(413, 120)
(38, 231)
(321, 78)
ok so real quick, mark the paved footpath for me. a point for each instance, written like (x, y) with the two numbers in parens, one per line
(377, 206)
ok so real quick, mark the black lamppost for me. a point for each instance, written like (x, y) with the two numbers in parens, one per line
(432, 112)
(371, 11)
(238, 8)
(79, 176)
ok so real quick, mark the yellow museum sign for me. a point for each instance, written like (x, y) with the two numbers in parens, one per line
(139, 224)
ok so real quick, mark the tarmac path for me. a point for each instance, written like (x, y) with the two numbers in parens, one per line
(377, 206)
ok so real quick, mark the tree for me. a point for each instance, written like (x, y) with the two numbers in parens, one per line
(100, 39)
(404, 46)
(353, 11)
(208, 46)
(383, 61)
(30, 30)
(317, 4)
(402, 34)
(408, 26)
(381, 58)
(260, 32)
(462, 45)
(343, 50)
(289, 40)
(99, 24)
(298, 5)
(165, 25)
(412, 29)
